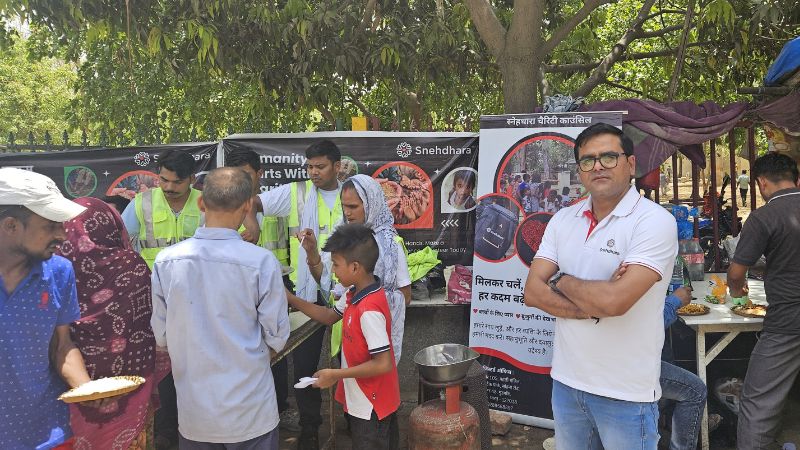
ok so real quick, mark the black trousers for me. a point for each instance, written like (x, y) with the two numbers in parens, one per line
(743, 193)
(375, 434)
(166, 419)
(305, 362)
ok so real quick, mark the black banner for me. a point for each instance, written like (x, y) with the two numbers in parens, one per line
(108, 171)
(421, 170)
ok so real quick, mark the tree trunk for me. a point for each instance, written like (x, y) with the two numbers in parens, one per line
(519, 84)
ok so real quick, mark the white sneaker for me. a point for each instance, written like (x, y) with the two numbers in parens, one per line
(549, 443)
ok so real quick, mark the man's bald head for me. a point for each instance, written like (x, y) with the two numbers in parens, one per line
(226, 189)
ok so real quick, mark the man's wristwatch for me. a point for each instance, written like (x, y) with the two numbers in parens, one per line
(554, 282)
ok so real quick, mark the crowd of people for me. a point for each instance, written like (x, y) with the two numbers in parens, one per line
(89, 293)
(535, 195)
(147, 293)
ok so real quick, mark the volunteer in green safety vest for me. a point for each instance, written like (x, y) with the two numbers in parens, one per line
(312, 204)
(273, 234)
(168, 214)
(156, 219)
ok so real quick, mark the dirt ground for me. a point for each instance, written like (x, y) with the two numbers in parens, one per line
(685, 191)
(526, 437)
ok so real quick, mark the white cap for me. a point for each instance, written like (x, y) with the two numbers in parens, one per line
(37, 193)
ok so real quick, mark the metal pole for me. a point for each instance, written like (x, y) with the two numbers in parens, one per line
(675, 178)
(735, 208)
(751, 157)
(658, 189)
(695, 188)
(714, 206)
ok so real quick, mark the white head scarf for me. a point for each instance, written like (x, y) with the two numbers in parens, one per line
(378, 217)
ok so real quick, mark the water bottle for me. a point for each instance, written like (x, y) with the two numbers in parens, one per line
(693, 256)
(676, 281)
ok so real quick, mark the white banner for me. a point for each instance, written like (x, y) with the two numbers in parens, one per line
(526, 172)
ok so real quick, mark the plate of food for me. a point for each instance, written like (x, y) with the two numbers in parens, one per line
(693, 309)
(750, 310)
(102, 388)
(408, 192)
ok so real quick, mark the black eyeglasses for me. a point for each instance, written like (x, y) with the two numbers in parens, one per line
(608, 160)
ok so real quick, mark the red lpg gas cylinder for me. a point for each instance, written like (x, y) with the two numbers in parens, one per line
(431, 428)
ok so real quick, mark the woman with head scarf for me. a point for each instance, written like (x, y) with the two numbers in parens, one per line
(363, 201)
(114, 331)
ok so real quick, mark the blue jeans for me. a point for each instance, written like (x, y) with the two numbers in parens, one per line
(689, 392)
(592, 422)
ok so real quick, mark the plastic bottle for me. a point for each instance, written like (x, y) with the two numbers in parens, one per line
(676, 281)
(693, 256)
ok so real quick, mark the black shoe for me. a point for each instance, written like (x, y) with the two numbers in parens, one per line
(309, 439)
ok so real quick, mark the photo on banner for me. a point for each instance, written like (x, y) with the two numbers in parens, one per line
(527, 173)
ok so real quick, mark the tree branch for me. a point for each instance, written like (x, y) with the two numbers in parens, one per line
(599, 73)
(664, 11)
(328, 115)
(361, 106)
(630, 89)
(366, 21)
(564, 30)
(488, 25)
(583, 67)
(672, 89)
(657, 33)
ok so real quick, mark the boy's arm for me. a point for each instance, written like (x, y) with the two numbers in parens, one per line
(373, 328)
(379, 364)
(321, 314)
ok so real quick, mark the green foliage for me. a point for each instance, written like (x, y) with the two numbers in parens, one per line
(295, 65)
(34, 94)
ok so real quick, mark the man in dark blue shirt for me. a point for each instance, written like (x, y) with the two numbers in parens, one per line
(38, 301)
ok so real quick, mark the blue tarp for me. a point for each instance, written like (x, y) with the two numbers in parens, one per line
(787, 63)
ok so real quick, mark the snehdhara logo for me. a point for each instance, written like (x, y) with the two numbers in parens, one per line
(404, 150)
(141, 159)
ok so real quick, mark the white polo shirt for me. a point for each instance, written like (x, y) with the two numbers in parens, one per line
(618, 357)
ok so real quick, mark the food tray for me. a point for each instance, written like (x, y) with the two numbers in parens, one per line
(682, 312)
(739, 309)
(81, 394)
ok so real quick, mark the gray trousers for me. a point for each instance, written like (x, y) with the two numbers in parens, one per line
(774, 365)
(267, 441)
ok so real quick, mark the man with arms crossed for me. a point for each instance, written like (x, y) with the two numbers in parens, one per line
(772, 230)
(609, 333)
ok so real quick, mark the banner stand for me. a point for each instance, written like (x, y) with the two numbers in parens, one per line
(527, 173)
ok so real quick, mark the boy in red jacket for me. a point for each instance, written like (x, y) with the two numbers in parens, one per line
(370, 389)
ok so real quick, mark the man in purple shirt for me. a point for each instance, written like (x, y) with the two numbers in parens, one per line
(38, 301)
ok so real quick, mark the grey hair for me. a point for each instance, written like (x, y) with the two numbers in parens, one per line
(227, 189)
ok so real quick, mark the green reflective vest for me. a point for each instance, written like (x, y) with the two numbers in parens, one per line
(158, 226)
(326, 217)
(273, 237)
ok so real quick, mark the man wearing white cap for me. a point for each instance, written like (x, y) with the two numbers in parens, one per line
(38, 301)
